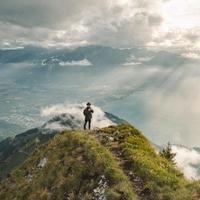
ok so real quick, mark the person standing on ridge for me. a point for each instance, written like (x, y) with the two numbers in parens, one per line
(88, 115)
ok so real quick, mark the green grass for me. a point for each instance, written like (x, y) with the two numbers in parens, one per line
(17, 155)
(160, 177)
(77, 161)
(75, 165)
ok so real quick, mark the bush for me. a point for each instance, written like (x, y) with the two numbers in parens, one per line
(168, 154)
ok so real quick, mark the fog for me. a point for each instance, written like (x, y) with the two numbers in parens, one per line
(99, 120)
(188, 161)
(162, 101)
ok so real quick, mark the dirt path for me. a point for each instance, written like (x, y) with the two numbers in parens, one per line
(110, 142)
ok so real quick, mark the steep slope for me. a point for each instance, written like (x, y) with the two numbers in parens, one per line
(152, 176)
(72, 166)
(116, 162)
(14, 151)
(95, 54)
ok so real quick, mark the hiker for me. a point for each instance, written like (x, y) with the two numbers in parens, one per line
(88, 115)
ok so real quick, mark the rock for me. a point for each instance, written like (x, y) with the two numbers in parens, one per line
(42, 163)
(99, 192)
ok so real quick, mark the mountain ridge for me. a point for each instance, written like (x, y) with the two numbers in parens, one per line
(95, 54)
(116, 162)
(15, 150)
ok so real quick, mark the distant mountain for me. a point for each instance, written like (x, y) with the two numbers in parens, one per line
(97, 55)
(111, 163)
(93, 54)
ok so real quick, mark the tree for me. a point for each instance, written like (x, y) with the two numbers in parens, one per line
(168, 154)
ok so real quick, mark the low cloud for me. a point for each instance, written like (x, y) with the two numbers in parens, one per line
(84, 62)
(76, 110)
(187, 160)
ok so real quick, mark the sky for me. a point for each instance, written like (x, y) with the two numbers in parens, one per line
(116, 23)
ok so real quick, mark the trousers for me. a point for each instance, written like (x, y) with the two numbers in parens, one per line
(87, 121)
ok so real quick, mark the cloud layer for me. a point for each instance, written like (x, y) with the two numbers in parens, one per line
(188, 161)
(119, 23)
(76, 110)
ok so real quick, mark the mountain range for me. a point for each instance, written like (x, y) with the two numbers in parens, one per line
(96, 55)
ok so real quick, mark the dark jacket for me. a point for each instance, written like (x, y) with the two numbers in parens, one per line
(88, 113)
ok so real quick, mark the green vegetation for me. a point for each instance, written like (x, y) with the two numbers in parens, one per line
(14, 151)
(116, 162)
(75, 166)
(158, 177)
(168, 154)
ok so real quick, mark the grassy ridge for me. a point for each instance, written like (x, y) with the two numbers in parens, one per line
(76, 163)
(160, 179)
(115, 163)
(14, 151)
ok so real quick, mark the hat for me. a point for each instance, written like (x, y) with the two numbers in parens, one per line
(88, 104)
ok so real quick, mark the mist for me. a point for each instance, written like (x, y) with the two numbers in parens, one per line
(157, 92)
(99, 119)
(188, 161)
